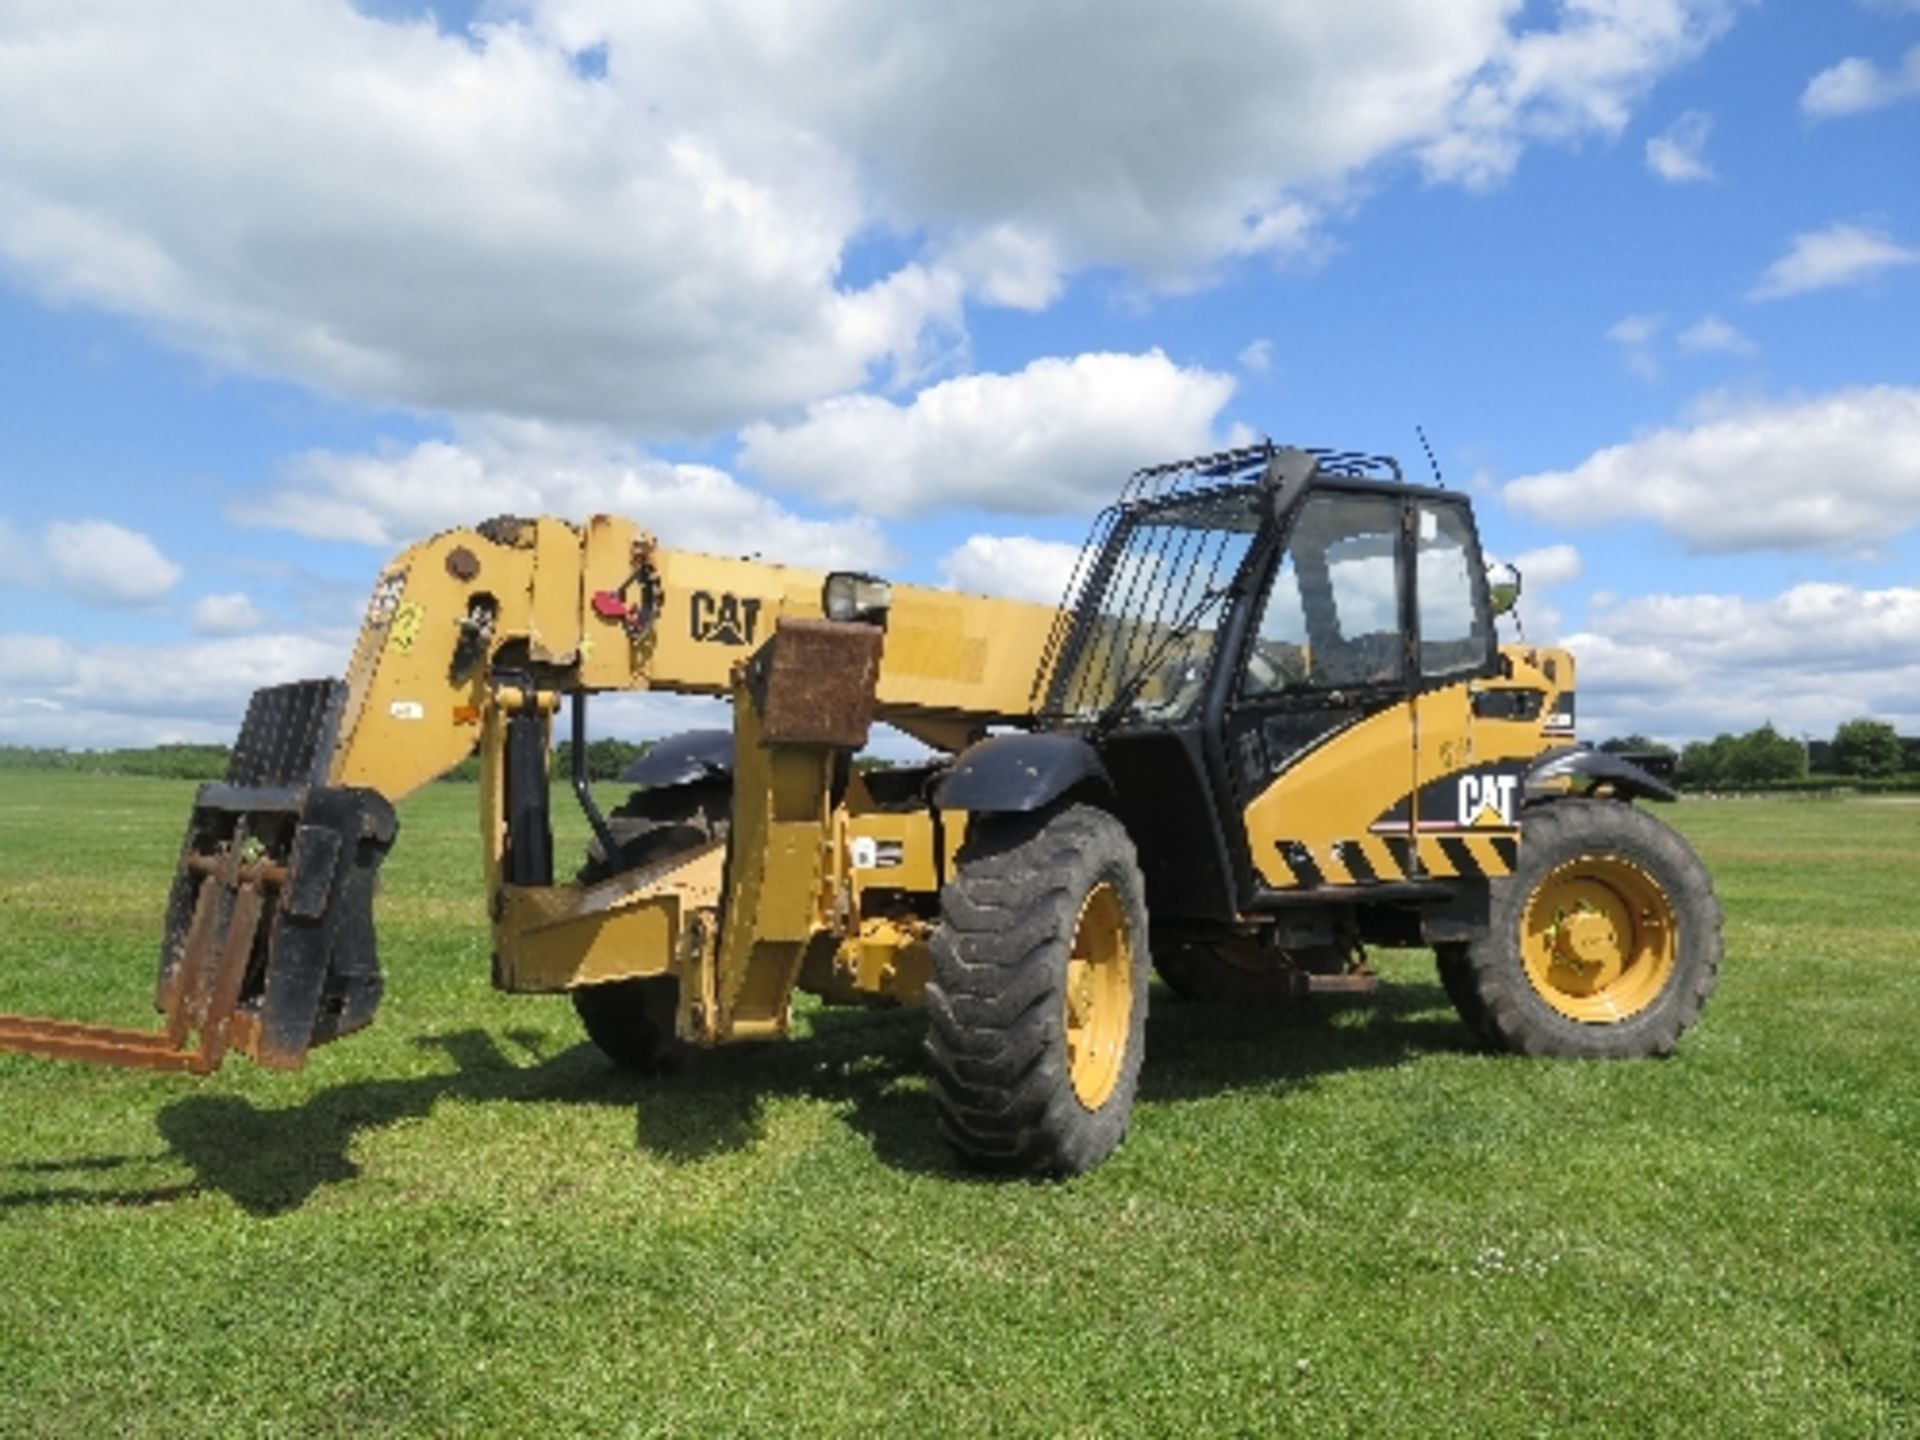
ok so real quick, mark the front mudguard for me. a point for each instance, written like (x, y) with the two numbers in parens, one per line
(1018, 774)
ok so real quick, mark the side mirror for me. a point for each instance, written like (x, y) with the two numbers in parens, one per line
(1503, 586)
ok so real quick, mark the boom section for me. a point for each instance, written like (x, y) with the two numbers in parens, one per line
(603, 607)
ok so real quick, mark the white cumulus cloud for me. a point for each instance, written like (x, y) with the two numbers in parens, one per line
(107, 564)
(474, 222)
(1689, 666)
(1548, 565)
(232, 613)
(1712, 335)
(1057, 436)
(1576, 79)
(1011, 265)
(1755, 475)
(460, 222)
(1678, 156)
(1839, 255)
(96, 696)
(389, 499)
(1855, 84)
(1635, 335)
(1019, 567)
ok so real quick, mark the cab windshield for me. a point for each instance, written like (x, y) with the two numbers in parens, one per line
(1148, 609)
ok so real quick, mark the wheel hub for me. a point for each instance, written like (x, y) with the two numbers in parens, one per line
(1098, 996)
(1585, 940)
(1598, 939)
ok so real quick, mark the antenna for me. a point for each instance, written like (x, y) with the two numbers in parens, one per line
(1431, 462)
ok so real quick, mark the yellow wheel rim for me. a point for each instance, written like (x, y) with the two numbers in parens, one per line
(1099, 998)
(1598, 939)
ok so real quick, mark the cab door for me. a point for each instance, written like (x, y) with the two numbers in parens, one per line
(1319, 728)
(1466, 804)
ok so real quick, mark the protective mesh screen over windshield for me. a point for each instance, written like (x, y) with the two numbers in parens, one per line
(1135, 631)
(1146, 611)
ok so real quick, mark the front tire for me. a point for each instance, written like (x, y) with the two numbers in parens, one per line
(1605, 941)
(654, 825)
(1038, 1005)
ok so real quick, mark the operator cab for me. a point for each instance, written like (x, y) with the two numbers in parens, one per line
(1231, 616)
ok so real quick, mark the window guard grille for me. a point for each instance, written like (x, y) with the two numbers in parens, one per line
(1162, 557)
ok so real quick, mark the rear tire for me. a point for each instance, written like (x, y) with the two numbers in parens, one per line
(1605, 941)
(652, 825)
(1456, 978)
(1038, 1006)
(632, 1021)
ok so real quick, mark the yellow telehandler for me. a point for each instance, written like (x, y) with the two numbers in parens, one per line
(1269, 725)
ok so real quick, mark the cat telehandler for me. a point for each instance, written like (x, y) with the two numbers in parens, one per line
(1269, 725)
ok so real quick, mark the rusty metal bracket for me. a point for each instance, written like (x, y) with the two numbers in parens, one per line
(814, 682)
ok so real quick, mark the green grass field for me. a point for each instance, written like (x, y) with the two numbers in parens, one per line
(1344, 1223)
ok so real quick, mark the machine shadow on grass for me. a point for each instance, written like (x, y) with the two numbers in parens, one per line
(272, 1160)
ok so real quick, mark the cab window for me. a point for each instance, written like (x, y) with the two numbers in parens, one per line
(1455, 639)
(1332, 615)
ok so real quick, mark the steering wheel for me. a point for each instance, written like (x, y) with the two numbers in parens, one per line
(1178, 684)
(1275, 665)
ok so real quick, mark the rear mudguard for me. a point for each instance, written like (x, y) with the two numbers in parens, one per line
(1573, 771)
(681, 759)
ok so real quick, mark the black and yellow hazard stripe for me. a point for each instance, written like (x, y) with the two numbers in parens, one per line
(1367, 860)
(1383, 859)
(1469, 854)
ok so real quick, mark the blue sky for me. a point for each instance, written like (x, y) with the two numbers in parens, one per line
(284, 286)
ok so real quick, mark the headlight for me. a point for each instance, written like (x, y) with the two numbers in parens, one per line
(849, 595)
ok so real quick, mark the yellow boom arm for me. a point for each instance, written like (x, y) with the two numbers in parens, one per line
(601, 607)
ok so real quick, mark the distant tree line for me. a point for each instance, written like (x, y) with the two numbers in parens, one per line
(605, 760)
(166, 762)
(1861, 749)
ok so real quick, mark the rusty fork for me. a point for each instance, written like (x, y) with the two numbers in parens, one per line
(199, 993)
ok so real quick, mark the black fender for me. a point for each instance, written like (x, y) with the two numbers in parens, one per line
(682, 759)
(1584, 770)
(1020, 773)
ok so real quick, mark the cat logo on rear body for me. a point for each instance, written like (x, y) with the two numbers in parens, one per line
(1486, 799)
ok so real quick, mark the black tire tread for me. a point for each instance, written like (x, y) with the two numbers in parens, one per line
(631, 1021)
(1455, 965)
(995, 1045)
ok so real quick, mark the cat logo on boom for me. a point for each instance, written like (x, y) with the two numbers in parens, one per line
(724, 619)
